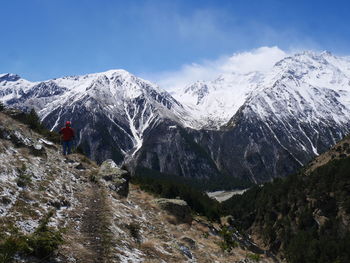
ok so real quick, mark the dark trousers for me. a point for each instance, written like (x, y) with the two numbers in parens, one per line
(67, 147)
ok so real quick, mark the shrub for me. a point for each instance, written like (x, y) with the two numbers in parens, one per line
(228, 241)
(33, 121)
(2, 106)
(134, 230)
(24, 178)
(41, 244)
(254, 257)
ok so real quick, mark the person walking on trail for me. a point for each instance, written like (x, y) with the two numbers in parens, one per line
(67, 134)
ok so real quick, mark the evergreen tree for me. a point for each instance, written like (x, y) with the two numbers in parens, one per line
(2, 106)
(33, 121)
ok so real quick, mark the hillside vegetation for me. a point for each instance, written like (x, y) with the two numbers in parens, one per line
(304, 217)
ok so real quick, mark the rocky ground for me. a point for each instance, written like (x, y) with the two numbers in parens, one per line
(101, 217)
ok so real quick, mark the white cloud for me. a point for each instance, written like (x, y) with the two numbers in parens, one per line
(260, 59)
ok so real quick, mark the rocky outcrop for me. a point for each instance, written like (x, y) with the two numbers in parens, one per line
(176, 207)
(17, 137)
(116, 178)
(172, 149)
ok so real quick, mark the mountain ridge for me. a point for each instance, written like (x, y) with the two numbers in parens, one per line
(269, 126)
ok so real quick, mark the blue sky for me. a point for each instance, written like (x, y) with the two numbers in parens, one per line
(42, 39)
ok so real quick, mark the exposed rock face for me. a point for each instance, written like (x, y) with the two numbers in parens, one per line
(189, 242)
(171, 149)
(116, 178)
(279, 120)
(176, 207)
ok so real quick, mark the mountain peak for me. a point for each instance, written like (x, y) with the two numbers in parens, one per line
(114, 72)
(326, 53)
(9, 77)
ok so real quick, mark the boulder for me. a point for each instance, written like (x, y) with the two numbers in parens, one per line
(5, 200)
(116, 178)
(189, 242)
(176, 207)
(16, 137)
(19, 140)
(37, 149)
(185, 251)
(80, 166)
(47, 143)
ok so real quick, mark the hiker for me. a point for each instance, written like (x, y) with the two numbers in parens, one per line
(67, 138)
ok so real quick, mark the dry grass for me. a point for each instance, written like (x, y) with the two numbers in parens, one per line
(200, 227)
(169, 218)
(149, 247)
(335, 152)
(74, 246)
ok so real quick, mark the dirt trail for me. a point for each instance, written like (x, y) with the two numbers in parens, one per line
(88, 239)
(95, 225)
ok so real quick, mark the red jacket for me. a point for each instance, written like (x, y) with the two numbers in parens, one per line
(67, 133)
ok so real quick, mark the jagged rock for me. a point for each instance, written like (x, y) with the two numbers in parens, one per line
(176, 207)
(80, 166)
(38, 149)
(5, 200)
(19, 139)
(246, 260)
(58, 203)
(186, 251)
(116, 178)
(4, 133)
(47, 143)
(189, 241)
(16, 137)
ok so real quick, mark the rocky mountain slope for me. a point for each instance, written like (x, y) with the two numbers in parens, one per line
(271, 123)
(57, 209)
(302, 81)
(110, 110)
(253, 126)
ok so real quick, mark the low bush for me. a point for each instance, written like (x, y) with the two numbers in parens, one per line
(41, 244)
(228, 241)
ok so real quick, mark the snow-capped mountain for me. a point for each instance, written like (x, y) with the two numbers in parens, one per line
(110, 110)
(272, 122)
(215, 102)
(12, 86)
(254, 125)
